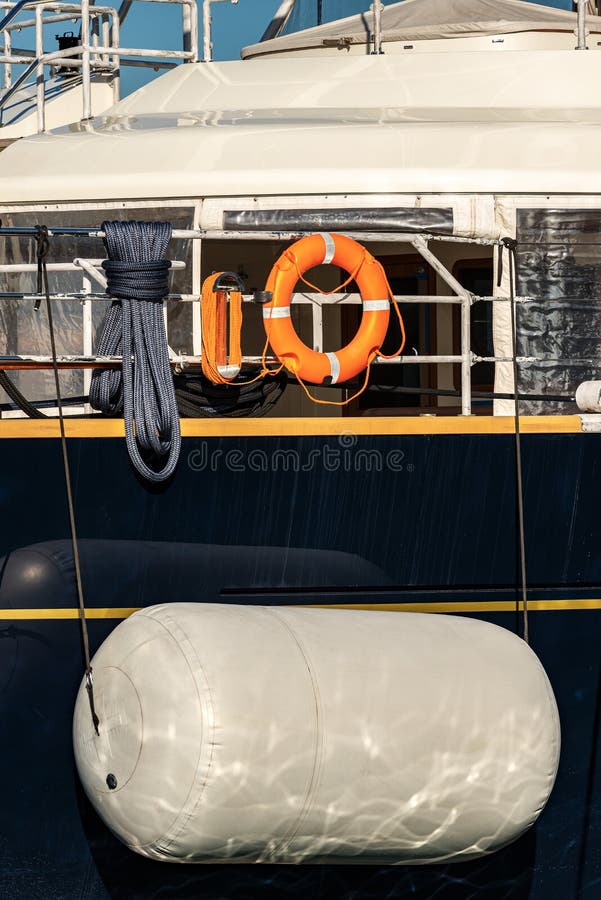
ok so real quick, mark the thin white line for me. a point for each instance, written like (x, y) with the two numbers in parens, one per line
(330, 248)
(375, 305)
(278, 312)
(334, 367)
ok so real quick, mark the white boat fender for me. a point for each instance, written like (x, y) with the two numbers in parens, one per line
(240, 733)
(588, 396)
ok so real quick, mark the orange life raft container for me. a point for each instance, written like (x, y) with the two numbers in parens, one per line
(306, 363)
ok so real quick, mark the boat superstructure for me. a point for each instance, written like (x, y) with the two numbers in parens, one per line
(459, 144)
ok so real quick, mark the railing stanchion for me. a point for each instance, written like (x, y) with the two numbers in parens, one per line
(466, 357)
(8, 69)
(40, 87)
(85, 57)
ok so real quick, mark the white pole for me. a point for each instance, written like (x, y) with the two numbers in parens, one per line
(207, 44)
(582, 25)
(7, 66)
(116, 40)
(40, 87)
(377, 8)
(85, 57)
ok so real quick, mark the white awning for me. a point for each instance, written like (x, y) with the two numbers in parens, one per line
(418, 20)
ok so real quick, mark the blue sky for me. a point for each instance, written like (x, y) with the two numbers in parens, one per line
(234, 26)
(152, 25)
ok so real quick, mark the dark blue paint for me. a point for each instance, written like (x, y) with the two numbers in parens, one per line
(443, 529)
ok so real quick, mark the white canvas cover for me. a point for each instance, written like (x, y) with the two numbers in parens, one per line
(418, 20)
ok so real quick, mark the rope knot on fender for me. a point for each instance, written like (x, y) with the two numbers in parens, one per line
(137, 276)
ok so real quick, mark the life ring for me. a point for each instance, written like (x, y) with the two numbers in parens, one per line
(304, 362)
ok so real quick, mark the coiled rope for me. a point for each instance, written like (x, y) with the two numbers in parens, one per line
(199, 398)
(220, 365)
(137, 275)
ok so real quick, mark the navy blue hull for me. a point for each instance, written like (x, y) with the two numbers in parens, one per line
(416, 520)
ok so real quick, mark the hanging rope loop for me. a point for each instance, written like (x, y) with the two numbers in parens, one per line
(221, 359)
(134, 328)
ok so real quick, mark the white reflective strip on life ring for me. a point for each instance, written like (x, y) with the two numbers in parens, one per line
(278, 312)
(330, 248)
(375, 305)
(334, 367)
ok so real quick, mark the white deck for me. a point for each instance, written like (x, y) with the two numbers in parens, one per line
(453, 122)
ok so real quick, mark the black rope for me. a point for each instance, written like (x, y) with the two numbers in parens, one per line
(37, 405)
(43, 246)
(19, 401)
(198, 398)
(137, 275)
(511, 246)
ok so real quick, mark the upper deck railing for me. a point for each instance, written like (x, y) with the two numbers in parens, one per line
(98, 51)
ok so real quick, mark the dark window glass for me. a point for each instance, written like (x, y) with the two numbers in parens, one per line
(559, 268)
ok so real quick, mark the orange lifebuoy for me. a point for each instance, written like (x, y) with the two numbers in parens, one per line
(308, 364)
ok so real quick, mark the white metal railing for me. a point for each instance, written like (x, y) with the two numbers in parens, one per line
(207, 43)
(98, 53)
(91, 273)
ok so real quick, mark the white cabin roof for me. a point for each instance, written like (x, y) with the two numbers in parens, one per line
(420, 20)
(478, 122)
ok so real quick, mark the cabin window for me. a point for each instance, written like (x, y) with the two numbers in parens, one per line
(559, 269)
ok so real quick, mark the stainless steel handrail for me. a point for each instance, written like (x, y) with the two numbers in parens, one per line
(14, 12)
(16, 85)
(92, 55)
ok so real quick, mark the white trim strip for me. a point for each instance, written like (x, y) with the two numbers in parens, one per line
(334, 367)
(375, 305)
(330, 248)
(278, 312)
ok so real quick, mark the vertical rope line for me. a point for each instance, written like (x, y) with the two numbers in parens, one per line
(43, 247)
(511, 247)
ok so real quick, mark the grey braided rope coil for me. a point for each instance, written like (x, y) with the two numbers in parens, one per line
(134, 328)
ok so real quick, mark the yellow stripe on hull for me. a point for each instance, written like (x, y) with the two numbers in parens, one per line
(303, 427)
(493, 606)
